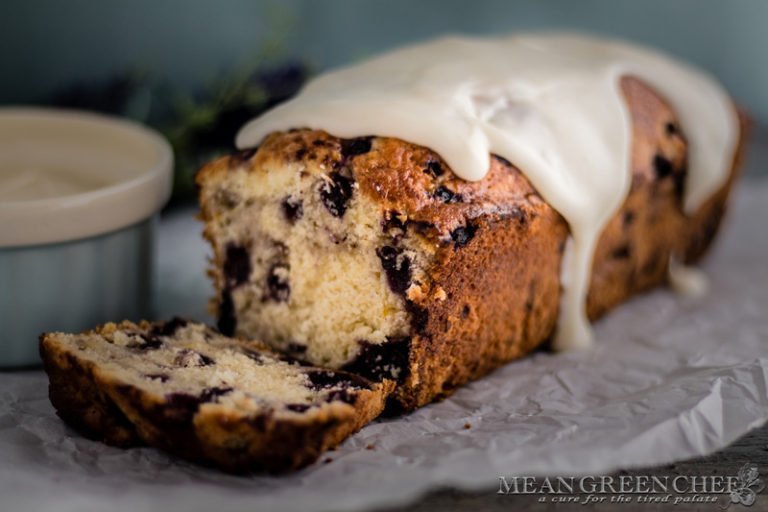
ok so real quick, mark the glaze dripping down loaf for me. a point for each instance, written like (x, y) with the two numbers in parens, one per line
(371, 255)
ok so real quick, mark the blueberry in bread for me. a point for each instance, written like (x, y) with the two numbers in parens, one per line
(184, 388)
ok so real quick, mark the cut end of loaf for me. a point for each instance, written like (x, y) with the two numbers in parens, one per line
(306, 261)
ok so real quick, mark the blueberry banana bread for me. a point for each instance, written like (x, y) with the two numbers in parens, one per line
(371, 256)
(185, 388)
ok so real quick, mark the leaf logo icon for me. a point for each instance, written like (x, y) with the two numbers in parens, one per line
(748, 487)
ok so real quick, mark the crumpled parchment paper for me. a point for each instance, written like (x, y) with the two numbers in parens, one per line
(670, 378)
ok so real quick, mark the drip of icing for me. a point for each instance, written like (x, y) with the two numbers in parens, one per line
(25, 183)
(687, 281)
(548, 103)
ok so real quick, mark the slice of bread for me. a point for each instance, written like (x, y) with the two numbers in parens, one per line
(187, 389)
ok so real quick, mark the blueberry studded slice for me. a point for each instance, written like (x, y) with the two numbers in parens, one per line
(232, 403)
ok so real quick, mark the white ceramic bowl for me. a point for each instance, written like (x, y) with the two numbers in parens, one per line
(79, 195)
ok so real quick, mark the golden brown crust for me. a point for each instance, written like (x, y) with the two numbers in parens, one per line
(494, 297)
(103, 408)
(81, 403)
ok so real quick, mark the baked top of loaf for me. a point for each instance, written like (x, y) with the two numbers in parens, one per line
(186, 388)
(415, 183)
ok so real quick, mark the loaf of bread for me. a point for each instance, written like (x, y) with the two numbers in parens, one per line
(371, 256)
(184, 388)
(515, 189)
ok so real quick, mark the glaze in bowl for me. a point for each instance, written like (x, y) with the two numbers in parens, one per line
(79, 197)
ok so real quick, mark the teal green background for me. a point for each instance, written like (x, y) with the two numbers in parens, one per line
(47, 44)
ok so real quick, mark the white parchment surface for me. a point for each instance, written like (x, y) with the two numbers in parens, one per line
(670, 378)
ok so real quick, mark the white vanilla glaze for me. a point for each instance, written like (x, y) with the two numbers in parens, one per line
(687, 281)
(549, 103)
(26, 183)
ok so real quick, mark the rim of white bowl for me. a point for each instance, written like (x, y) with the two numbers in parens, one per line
(94, 212)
